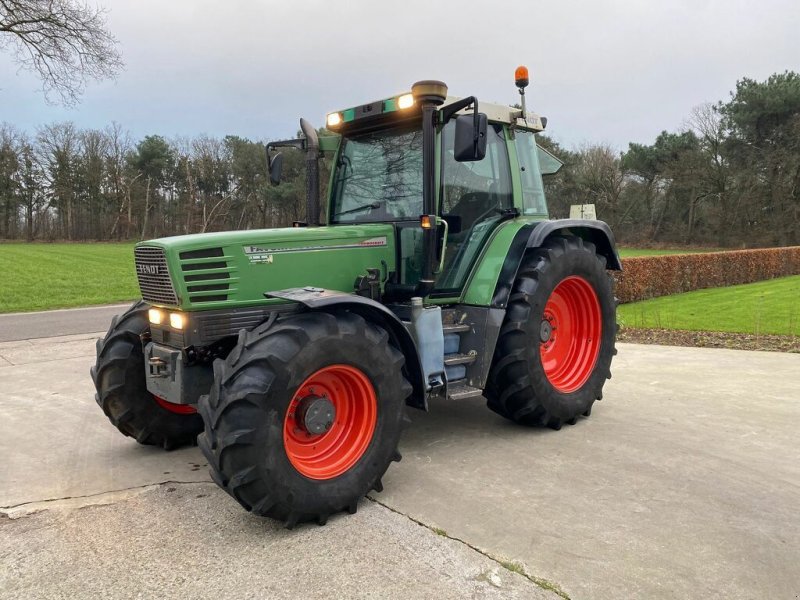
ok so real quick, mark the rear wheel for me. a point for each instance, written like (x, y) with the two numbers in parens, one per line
(554, 352)
(305, 415)
(119, 378)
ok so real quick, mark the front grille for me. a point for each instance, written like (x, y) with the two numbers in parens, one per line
(153, 273)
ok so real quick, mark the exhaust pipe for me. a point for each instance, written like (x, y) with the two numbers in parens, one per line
(312, 173)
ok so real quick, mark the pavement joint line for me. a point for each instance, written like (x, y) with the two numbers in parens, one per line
(49, 360)
(4, 510)
(3, 358)
(514, 567)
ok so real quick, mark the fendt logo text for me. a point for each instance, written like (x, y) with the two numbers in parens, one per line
(147, 269)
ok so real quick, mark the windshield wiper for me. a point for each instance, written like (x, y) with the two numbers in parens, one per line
(358, 208)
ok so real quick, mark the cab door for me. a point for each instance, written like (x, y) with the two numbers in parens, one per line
(473, 199)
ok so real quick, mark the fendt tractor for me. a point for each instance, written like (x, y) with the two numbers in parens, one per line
(290, 355)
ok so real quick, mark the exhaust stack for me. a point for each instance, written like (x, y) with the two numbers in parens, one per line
(312, 173)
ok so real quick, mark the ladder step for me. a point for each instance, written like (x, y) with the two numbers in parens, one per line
(462, 391)
(456, 327)
(459, 359)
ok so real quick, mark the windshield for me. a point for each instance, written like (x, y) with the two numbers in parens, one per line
(378, 177)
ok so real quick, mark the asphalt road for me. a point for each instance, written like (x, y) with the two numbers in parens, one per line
(50, 323)
(684, 483)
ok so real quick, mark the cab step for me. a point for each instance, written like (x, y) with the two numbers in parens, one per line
(459, 359)
(459, 390)
(456, 328)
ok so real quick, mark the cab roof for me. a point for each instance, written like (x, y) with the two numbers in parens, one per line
(500, 113)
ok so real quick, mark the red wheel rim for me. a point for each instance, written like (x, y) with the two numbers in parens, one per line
(329, 454)
(570, 334)
(180, 409)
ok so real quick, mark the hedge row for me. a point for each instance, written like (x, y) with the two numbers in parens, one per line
(652, 276)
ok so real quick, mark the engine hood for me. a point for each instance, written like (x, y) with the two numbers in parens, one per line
(235, 268)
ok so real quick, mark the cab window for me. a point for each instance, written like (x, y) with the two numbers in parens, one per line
(533, 202)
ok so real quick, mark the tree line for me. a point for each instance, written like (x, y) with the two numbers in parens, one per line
(729, 177)
(73, 184)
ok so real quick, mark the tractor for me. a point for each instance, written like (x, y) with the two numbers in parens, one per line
(290, 355)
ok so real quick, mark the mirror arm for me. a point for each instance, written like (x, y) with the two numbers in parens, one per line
(451, 109)
(299, 143)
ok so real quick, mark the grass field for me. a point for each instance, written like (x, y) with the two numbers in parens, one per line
(765, 307)
(43, 276)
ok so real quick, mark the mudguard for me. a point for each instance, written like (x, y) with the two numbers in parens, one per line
(327, 300)
(534, 234)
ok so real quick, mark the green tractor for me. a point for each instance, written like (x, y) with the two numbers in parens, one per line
(290, 355)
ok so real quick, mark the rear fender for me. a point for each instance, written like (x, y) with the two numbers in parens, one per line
(535, 234)
(330, 300)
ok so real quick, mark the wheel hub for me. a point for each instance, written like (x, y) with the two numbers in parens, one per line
(545, 331)
(316, 414)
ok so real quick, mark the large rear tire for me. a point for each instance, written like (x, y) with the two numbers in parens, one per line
(119, 378)
(304, 416)
(554, 352)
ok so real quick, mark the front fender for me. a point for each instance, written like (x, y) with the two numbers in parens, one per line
(375, 312)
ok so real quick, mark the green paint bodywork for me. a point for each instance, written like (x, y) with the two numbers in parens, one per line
(327, 257)
(480, 286)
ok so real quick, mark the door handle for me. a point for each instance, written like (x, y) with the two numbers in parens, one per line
(441, 221)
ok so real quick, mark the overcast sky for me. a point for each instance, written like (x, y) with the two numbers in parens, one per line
(602, 71)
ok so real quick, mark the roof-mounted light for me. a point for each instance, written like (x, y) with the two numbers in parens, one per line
(334, 119)
(521, 77)
(405, 101)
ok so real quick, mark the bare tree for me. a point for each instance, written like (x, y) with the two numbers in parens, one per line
(65, 42)
(599, 173)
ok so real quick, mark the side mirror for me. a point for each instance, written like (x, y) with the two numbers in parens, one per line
(470, 138)
(275, 168)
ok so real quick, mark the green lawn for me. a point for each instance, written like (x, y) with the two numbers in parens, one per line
(42, 276)
(758, 308)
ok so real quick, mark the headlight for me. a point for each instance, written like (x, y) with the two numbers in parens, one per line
(155, 316)
(176, 320)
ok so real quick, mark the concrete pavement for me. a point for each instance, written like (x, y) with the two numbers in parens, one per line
(684, 482)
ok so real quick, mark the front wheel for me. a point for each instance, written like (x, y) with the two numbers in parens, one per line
(305, 415)
(554, 352)
(122, 393)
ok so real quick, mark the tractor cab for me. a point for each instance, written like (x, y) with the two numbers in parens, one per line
(444, 171)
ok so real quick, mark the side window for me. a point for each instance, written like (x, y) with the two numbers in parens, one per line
(470, 189)
(473, 195)
(533, 201)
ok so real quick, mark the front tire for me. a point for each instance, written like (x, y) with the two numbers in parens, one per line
(119, 378)
(305, 415)
(555, 348)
